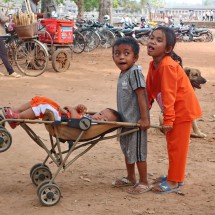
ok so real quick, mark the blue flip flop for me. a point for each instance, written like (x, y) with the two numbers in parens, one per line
(164, 178)
(165, 188)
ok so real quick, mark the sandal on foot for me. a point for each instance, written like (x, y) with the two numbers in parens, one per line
(139, 189)
(164, 178)
(122, 182)
(11, 115)
(165, 188)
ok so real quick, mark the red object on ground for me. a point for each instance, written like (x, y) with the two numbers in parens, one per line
(61, 31)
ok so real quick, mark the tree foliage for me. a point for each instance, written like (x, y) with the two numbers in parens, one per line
(156, 3)
(207, 2)
(91, 4)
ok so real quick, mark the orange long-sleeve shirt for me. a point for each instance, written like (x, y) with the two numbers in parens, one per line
(177, 95)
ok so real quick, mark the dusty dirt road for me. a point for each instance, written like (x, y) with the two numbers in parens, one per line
(86, 185)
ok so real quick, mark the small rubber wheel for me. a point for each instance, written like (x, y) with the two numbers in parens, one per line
(49, 194)
(41, 184)
(61, 60)
(2, 118)
(40, 174)
(37, 165)
(5, 139)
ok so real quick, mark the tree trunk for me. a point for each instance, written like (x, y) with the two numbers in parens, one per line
(105, 8)
(80, 5)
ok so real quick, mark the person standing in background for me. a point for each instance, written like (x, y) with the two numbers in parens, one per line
(3, 50)
(34, 4)
(211, 16)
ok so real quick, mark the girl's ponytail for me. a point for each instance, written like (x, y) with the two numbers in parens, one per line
(176, 58)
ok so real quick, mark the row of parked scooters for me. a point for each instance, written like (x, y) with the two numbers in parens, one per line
(188, 33)
(140, 32)
(184, 33)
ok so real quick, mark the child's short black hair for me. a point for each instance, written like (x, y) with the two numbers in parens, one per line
(116, 114)
(128, 41)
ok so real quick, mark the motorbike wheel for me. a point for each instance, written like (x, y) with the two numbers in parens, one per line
(179, 38)
(186, 38)
(207, 37)
(143, 40)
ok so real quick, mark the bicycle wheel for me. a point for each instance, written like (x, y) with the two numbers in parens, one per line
(107, 38)
(92, 39)
(78, 42)
(31, 57)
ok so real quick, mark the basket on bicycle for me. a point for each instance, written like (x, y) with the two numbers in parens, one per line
(26, 31)
(25, 25)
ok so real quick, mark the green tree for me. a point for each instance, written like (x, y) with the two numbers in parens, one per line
(91, 4)
(130, 6)
(156, 3)
(207, 2)
(115, 3)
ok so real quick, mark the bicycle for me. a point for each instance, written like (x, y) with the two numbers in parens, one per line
(92, 38)
(29, 55)
(79, 42)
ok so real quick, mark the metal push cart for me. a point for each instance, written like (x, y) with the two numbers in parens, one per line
(80, 135)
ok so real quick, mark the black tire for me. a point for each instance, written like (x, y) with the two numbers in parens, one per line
(107, 38)
(118, 34)
(5, 140)
(31, 57)
(37, 165)
(40, 174)
(61, 60)
(92, 39)
(2, 118)
(79, 42)
(49, 194)
(208, 37)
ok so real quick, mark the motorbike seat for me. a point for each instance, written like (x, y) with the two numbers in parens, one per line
(143, 30)
(199, 30)
(115, 29)
(127, 30)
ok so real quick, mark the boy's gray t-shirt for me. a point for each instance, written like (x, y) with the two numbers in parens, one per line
(134, 145)
(127, 103)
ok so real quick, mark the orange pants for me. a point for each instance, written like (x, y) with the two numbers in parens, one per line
(177, 145)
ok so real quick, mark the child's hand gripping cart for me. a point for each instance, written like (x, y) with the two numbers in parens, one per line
(58, 36)
(82, 133)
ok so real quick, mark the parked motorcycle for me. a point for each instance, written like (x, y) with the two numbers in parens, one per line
(189, 33)
(141, 34)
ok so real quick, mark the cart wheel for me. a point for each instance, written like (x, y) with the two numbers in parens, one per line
(49, 194)
(31, 57)
(2, 118)
(61, 60)
(40, 185)
(40, 174)
(37, 165)
(5, 140)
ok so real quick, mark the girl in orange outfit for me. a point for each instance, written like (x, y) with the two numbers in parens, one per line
(168, 84)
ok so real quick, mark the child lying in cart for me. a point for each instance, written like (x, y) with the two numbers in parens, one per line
(38, 105)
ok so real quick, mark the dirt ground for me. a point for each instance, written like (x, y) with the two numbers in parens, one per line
(86, 184)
